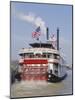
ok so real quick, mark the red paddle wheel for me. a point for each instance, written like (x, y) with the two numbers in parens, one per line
(34, 69)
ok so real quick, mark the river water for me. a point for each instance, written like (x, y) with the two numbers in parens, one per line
(42, 88)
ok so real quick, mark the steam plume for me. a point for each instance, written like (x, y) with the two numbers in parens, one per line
(33, 19)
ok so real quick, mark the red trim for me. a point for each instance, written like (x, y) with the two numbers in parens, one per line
(36, 61)
(33, 61)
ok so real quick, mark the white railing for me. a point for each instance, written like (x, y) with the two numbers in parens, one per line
(38, 50)
(53, 61)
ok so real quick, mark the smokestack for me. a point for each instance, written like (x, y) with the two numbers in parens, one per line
(47, 33)
(57, 38)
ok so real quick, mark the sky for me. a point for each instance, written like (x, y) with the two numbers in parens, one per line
(26, 17)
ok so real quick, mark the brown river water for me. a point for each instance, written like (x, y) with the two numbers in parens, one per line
(42, 88)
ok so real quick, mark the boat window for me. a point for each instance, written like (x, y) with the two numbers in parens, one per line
(50, 55)
(22, 54)
(55, 66)
(37, 55)
(31, 56)
(28, 55)
(44, 55)
(56, 71)
(56, 56)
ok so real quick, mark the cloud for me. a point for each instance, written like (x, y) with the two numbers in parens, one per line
(27, 17)
(33, 19)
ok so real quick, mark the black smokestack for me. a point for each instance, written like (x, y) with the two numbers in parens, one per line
(47, 33)
(57, 38)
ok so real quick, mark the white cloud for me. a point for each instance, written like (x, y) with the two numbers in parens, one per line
(27, 17)
(33, 19)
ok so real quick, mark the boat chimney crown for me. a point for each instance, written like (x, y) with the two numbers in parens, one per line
(57, 38)
(47, 34)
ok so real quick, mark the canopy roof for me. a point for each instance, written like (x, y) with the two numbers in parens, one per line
(45, 45)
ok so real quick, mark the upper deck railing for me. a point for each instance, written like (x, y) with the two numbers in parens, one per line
(38, 50)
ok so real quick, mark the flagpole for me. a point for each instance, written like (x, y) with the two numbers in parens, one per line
(40, 43)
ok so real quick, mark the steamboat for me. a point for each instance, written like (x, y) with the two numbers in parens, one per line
(42, 61)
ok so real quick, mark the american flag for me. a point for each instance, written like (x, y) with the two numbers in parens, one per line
(36, 33)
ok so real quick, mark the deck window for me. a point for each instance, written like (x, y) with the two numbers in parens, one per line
(55, 68)
(56, 71)
(44, 55)
(38, 55)
(31, 56)
(56, 56)
(50, 55)
(28, 55)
